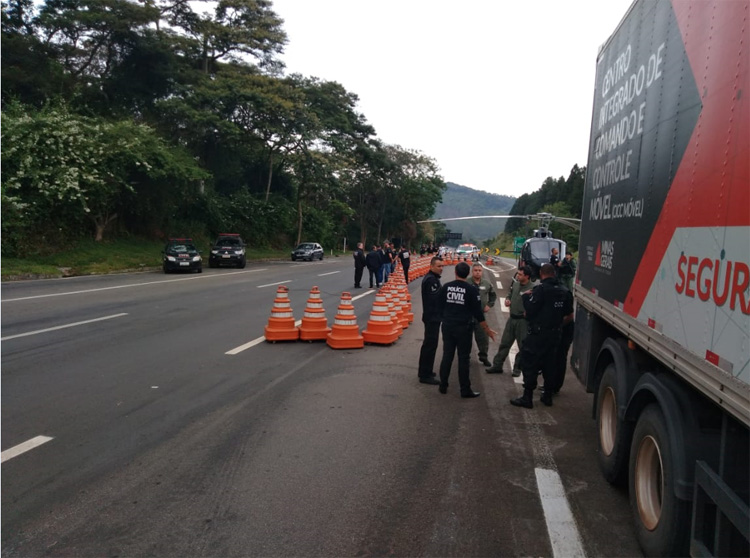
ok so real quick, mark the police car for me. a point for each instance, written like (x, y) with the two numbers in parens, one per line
(180, 254)
(229, 249)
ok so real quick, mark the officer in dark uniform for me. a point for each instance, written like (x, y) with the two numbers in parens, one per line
(460, 302)
(561, 359)
(360, 262)
(547, 307)
(431, 319)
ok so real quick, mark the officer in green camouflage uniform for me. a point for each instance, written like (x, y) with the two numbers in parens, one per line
(516, 327)
(488, 296)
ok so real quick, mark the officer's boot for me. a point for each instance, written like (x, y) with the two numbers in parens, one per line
(525, 400)
(546, 398)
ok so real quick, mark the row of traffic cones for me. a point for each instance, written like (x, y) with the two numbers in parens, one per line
(391, 314)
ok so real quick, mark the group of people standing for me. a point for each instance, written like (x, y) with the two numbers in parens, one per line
(540, 322)
(380, 262)
(457, 309)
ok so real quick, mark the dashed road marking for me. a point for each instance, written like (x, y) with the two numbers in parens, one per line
(15, 451)
(62, 326)
(364, 294)
(273, 284)
(329, 273)
(561, 525)
(254, 342)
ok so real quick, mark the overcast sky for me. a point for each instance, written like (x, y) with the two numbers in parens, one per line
(499, 93)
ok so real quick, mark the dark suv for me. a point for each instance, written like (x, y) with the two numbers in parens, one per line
(229, 249)
(180, 254)
(308, 251)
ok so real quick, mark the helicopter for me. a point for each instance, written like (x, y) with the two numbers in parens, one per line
(536, 250)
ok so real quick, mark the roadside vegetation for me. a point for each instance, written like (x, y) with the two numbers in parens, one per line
(149, 120)
(87, 257)
(158, 119)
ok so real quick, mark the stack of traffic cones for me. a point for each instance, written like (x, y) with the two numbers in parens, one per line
(403, 321)
(393, 311)
(345, 331)
(403, 292)
(380, 329)
(422, 267)
(281, 323)
(314, 325)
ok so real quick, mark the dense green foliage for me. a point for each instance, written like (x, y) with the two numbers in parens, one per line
(147, 118)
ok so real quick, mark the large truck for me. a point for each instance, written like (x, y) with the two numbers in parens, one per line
(662, 330)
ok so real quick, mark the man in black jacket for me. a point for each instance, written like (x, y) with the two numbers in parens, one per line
(360, 261)
(405, 257)
(431, 319)
(372, 260)
(460, 305)
(548, 306)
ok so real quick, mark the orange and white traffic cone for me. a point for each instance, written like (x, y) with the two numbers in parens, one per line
(403, 320)
(314, 325)
(281, 323)
(345, 331)
(403, 292)
(380, 329)
(393, 310)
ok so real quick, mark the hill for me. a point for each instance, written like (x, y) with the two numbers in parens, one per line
(460, 201)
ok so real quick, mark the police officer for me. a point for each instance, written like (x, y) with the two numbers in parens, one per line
(360, 262)
(561, 359)
(516, 328)
(547, 307)
(568, 271)
(460, 303)
(488, 296)
(431, 319)
(405, 257)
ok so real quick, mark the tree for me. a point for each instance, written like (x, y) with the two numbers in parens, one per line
(58, 163)
(242, 27)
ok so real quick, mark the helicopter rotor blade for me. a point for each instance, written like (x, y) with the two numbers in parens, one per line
(545, 218)
(474, 217)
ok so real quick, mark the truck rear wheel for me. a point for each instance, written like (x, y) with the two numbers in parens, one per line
(614, 434)
(662, 521)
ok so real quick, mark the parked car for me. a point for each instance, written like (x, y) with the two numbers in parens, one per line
(180, 254)
(308, 251)
(229, 249)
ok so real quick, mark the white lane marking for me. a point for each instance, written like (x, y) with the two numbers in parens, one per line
(329, 273)
(211, 276)
(23, 448)
(499, 285)
(504, 308)
(496, 274)
(272, 284)
(364, 294)
(561, 525)
(254, 342)
(246, 346)
(63, 326)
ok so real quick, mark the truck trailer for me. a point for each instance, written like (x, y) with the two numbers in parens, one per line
(662, 329)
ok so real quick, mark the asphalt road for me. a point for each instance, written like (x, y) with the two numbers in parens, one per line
(171, 434)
